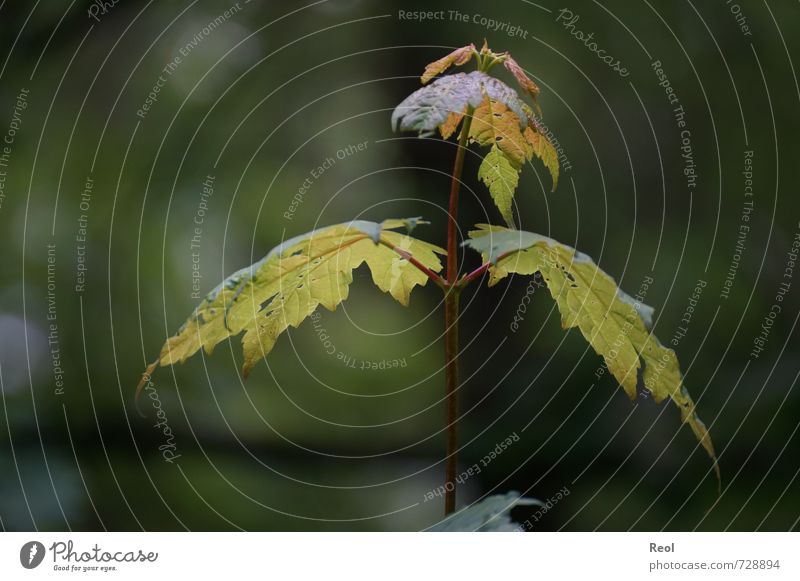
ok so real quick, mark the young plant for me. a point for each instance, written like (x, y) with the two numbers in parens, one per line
(294, 279)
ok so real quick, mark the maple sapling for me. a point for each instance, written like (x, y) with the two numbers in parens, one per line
(315, 269)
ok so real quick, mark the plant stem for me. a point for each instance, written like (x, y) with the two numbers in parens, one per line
(451, 388)
(468, 278)
(451, 320)
(438, 280)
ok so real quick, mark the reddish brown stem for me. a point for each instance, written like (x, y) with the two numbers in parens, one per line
(452, 292)
(468, 278)
(451, 390)
(455, 187)
(478, 272)
(438, 280)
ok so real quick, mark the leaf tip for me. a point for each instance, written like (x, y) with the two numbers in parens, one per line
(411, 223)
(458, 57)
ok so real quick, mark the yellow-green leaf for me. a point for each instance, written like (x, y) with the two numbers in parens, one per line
(287, 285)
(495, 124)
(500, 175)
(613, 323)
(541, 147)
(458, 57)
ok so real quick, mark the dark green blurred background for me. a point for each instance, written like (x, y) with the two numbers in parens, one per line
(308, 443)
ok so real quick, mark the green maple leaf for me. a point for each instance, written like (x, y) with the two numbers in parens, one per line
(288, 284)
(541, 147)
(613, 323)
(496, 126)
(500, 175)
